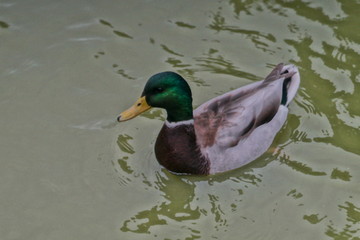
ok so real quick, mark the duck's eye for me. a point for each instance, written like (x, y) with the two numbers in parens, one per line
(159, 90)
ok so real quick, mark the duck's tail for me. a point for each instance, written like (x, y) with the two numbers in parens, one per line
(290, 76)
(290, 84)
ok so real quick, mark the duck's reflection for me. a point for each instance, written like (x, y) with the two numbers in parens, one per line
(188, 202)
(175, 205)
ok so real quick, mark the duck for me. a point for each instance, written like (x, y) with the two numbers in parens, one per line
(222, 134)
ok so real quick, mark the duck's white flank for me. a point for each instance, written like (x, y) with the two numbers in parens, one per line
(175, 124)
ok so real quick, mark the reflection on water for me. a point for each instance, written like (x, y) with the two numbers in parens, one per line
(124, 144)
(338, 174)
(122, 34)
(116, 32)
(3, 24)
(122, 72)
(350, 228)
(176, 206)
(185, 25)
(70, 172)
(168, 50)
(106, 23)
(259, 39)
(305, 36)
(313, 218)
(186, 200)
(301, 167)
(217, 64)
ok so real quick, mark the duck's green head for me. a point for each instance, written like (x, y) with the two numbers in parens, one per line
(166, 90)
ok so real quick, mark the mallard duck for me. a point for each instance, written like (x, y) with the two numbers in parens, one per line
(225, 132)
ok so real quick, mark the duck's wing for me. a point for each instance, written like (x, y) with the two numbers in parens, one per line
(226, 119)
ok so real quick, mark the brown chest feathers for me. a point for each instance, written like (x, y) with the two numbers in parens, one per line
(176, 150)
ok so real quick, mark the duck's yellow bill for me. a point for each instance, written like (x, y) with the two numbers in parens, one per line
(139, 107)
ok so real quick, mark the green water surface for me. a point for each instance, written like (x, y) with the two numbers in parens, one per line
(69, 171)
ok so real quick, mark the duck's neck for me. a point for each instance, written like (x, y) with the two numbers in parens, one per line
(183, 112)
(179, 123)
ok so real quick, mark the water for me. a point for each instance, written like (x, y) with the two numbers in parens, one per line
(69, 171)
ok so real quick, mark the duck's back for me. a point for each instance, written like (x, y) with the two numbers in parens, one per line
(239, 126)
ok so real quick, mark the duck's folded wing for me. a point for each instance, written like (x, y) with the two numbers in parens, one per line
(227, 119)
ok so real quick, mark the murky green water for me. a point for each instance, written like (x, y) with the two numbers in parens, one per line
(68, 171)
